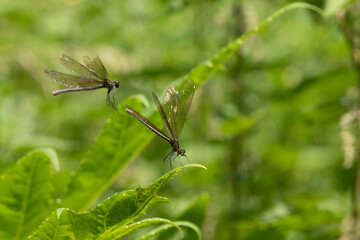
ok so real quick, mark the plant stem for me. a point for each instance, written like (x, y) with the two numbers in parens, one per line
(349, 21)
(236, 156)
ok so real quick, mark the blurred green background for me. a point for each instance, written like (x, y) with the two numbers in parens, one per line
(266, 126)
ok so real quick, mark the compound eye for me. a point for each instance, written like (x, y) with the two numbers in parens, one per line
(182, 153)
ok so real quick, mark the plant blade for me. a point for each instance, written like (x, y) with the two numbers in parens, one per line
(25, 195)
(109, 219)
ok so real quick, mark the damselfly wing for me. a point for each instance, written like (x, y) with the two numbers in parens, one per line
(173, 112)
(91, 76)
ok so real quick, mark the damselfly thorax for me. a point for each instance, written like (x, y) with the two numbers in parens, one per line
(176, 148)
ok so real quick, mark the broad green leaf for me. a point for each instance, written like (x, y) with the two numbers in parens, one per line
(113, 214)
(112, 217)
(51, 153)
(24, 196)
(121, 139)
(147, 194)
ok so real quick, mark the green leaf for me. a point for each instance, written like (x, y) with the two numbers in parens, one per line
(120, 232)
(51, 153)
(121, 140)
(163, 228)
(24, 196)
(113, 214)
(108, 220)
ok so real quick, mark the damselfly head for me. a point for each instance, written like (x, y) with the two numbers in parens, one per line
(181, 152)
(117, 84)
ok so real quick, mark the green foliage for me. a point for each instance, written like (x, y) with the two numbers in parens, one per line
(25, 196)
(266, 125)
(111, 219)
(25, 203)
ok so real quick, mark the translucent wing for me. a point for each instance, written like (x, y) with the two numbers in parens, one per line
(185, 94)
(77, 68)
(73, 81)
(170, 106)
(147, 123)
(163, 115)
(97, 66)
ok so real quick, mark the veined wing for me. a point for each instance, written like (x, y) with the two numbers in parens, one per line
(147, 123)
(72, 81)
(97, 66)
(163, 115)
(77, 68)
(185, 94)
(170, 106)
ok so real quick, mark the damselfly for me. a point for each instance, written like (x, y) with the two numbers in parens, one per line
(92, 76)
(173, 112)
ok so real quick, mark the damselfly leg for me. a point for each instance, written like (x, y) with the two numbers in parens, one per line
(168, 160)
